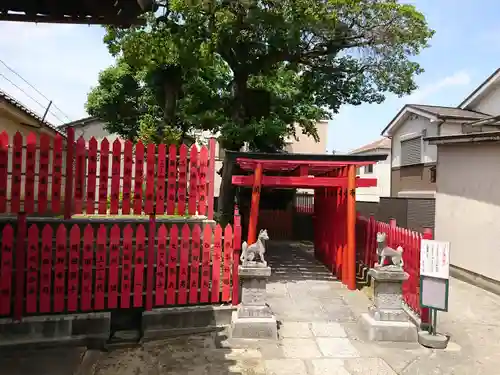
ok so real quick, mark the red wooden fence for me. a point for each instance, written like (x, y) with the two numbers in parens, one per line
(366, 240)
(103, 178)
(67, 268)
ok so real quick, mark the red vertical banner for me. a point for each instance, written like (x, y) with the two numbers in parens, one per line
(235, 298)
(100, 268)
(193, 180)
(43, 173)
(205, 264)
(211, 178)
(6, 267)
(103, 177)
(115, 177)
(127, 178)
(195, 265)
(150, 179)
(91, 176)
(139, 176)
(172, 179)
(140, 236)
(181, 189)
(150, 262)
(56, 174)
(80, 172)
(228, 258)
(17, 166)
(46, 269)
(202, 183)
(60, 269)
(114, 255)
(216, 263)
(4, 164)
(88, 263)
(127, 255)
(29, 183)
(160, 184)
(161, 261)
(172, 265)
(69, 178)
(20, 265)
(184, 264)
(73, 268)
(32, 274)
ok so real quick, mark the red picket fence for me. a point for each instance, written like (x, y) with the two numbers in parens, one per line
(67, 269)
(366, 240)
(122, 178)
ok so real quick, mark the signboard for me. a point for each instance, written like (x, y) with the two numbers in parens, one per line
(435, 259)
(434, 293)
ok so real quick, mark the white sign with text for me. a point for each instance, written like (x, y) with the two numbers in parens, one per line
(435, 259)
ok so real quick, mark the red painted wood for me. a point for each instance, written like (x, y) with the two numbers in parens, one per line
(57, 174)
(100, 268)
(184, 264)
(33, 267)
(20, 265)
(17, 162)
(161, 270)
(160, 184)
(138, 178)
(127, 177)
(228, 257)
(60, 269)
(6, 268)
(43, 173)
(103, 178)
(205, 264)
(4, 163)
(127, 256)
(292, 164)
(114, 255)
(46, 269)
(235, 298)
(140, 236)
(182, 184)
(91, 176)
(193, 180)
(81, 161)
(172, 179)
(216, 264)
(150, 179)
(172, 265)
(150, 262)
(74, 268)
(69, 178)
(195, 265)
(29, 182)
(88, 263)
(211, 178)
(115, 177)
(303, 182)
(202, 183)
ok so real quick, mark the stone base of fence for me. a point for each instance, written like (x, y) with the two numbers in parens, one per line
(94, 328)
(174, 321)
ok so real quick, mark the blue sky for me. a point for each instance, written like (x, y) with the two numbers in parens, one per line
(63, 61)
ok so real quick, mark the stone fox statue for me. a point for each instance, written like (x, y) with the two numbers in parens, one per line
(256, 250)
(385, 252)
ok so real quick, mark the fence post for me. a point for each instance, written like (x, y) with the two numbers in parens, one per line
(235, 300)
(68, 188)
(20, 265)
(425, 315)
(211, 178)
(151, 262)
(392, 232)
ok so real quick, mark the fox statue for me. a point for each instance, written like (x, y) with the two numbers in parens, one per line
(384, 252)
(254, 251)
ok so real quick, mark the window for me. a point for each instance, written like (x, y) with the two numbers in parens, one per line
(411, 151)
(368, 169)
(433, 174)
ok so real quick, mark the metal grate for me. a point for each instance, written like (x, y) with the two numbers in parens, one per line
(411, 151)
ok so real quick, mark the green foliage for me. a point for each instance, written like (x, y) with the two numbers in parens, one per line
(252, 69)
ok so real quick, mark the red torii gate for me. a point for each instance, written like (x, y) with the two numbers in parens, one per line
(333, 178)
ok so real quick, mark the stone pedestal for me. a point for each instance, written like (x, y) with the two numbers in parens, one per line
(386, 320)
(254, 319)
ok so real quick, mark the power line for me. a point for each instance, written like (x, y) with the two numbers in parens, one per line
(34, 88)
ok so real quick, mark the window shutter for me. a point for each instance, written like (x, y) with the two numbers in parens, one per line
(411, 151)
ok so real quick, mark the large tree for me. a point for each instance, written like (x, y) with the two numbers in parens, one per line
(251, 69)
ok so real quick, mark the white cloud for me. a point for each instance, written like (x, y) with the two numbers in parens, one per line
(461, 78)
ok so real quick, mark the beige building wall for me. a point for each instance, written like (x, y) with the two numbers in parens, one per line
(468, 205)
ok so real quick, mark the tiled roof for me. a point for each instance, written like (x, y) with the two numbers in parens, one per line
(450, 112)
(380, 143)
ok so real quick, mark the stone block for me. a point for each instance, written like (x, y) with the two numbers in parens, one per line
(397, 315)
(397, 331)
(254, 312)
(254, 328)
(254, 292)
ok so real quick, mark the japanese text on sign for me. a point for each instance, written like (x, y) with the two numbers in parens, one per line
(435, 259)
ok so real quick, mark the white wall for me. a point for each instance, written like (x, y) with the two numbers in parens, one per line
(94, 129)
(468, 206)
(490, 103)
(382, 172)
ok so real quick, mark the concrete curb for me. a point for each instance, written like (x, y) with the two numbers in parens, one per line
(88, 363)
